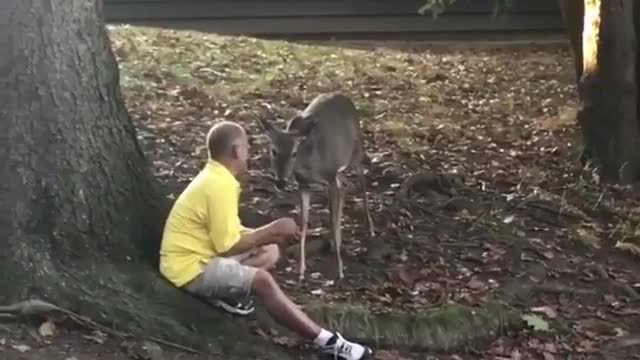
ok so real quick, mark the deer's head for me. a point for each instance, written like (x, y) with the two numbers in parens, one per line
(283, 146)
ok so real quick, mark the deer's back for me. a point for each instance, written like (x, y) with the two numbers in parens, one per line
(332, 142)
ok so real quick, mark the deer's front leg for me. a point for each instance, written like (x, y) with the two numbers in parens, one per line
(336, 203)
(305, 198)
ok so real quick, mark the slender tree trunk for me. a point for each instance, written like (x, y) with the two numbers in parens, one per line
(81, 217)
(573, 14)
(607, 69)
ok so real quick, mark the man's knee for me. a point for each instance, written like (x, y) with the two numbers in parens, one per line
(263, 283)
(272, 253)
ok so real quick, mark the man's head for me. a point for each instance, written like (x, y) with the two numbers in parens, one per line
(228, 144)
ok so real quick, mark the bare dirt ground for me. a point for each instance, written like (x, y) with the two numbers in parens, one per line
(476, 188)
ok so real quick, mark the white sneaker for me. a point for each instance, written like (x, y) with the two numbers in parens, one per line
(234, 306)
(342, 349)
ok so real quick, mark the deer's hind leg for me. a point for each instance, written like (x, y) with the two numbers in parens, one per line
(356, 162)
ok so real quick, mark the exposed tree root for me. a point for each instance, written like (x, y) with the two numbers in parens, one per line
(445, 328)
(125, 300)
(32, 307)
(36, 307)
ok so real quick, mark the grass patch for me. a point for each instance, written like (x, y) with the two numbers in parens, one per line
(403, 93)
(392, 89)
(445, 328)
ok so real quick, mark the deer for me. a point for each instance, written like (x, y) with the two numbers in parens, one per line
(318, 145)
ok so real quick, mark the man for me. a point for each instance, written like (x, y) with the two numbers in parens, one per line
(206, 251)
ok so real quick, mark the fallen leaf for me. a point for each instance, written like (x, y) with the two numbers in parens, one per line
(154, 351)
(406, 277)
(620, 332)
(585, 346)
(317, 292)
(589, 238)
(475, 284)
(259, 331)
(535, 343)
(536, 322)
(551, 314)
(629, 247)
(550, 348)
(509, 219)
(285, 341)
(21, 348)
(48, 328)
(515, 354)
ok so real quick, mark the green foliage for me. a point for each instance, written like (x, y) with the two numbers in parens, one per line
(437, 7)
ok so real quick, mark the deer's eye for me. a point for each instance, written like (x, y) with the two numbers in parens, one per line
(274, 152)
(293, 153)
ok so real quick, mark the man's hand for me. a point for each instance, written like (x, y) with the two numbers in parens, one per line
(286, 228)
(276, 232)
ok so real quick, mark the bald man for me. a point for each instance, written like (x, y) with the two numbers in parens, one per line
(206, 251)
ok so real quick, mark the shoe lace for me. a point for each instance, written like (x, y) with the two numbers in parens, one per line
(341, 347)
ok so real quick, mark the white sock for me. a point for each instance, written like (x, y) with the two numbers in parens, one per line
(323, 337)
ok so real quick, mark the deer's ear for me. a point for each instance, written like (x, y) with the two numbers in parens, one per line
(265, 125)
(301, 125)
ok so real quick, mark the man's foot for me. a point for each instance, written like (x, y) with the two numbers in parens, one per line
(339, 348)
(236, 307)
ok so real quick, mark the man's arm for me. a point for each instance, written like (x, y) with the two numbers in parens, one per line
(252, 238)
(228, 235)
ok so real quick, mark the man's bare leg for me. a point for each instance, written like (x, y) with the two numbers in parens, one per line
(286, 313)
(265, 258)
(281, 308)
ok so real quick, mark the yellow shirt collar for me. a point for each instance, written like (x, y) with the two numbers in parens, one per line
(221, 170)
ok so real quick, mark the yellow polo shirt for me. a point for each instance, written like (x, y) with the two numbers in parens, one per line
(202, 223)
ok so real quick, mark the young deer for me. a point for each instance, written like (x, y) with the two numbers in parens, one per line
(318, 145)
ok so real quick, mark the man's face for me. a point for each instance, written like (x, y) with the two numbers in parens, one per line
(242, 153)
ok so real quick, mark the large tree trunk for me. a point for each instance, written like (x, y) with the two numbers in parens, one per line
(81, 216)
(607, 69)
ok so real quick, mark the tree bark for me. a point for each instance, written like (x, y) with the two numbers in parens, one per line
(603, 36)
(81, 214)
(608, 89)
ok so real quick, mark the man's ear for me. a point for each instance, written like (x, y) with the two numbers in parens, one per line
(235, 150)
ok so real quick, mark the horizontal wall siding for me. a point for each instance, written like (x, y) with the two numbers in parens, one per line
(331, 16)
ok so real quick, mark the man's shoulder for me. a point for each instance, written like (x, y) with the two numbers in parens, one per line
(211, 183)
